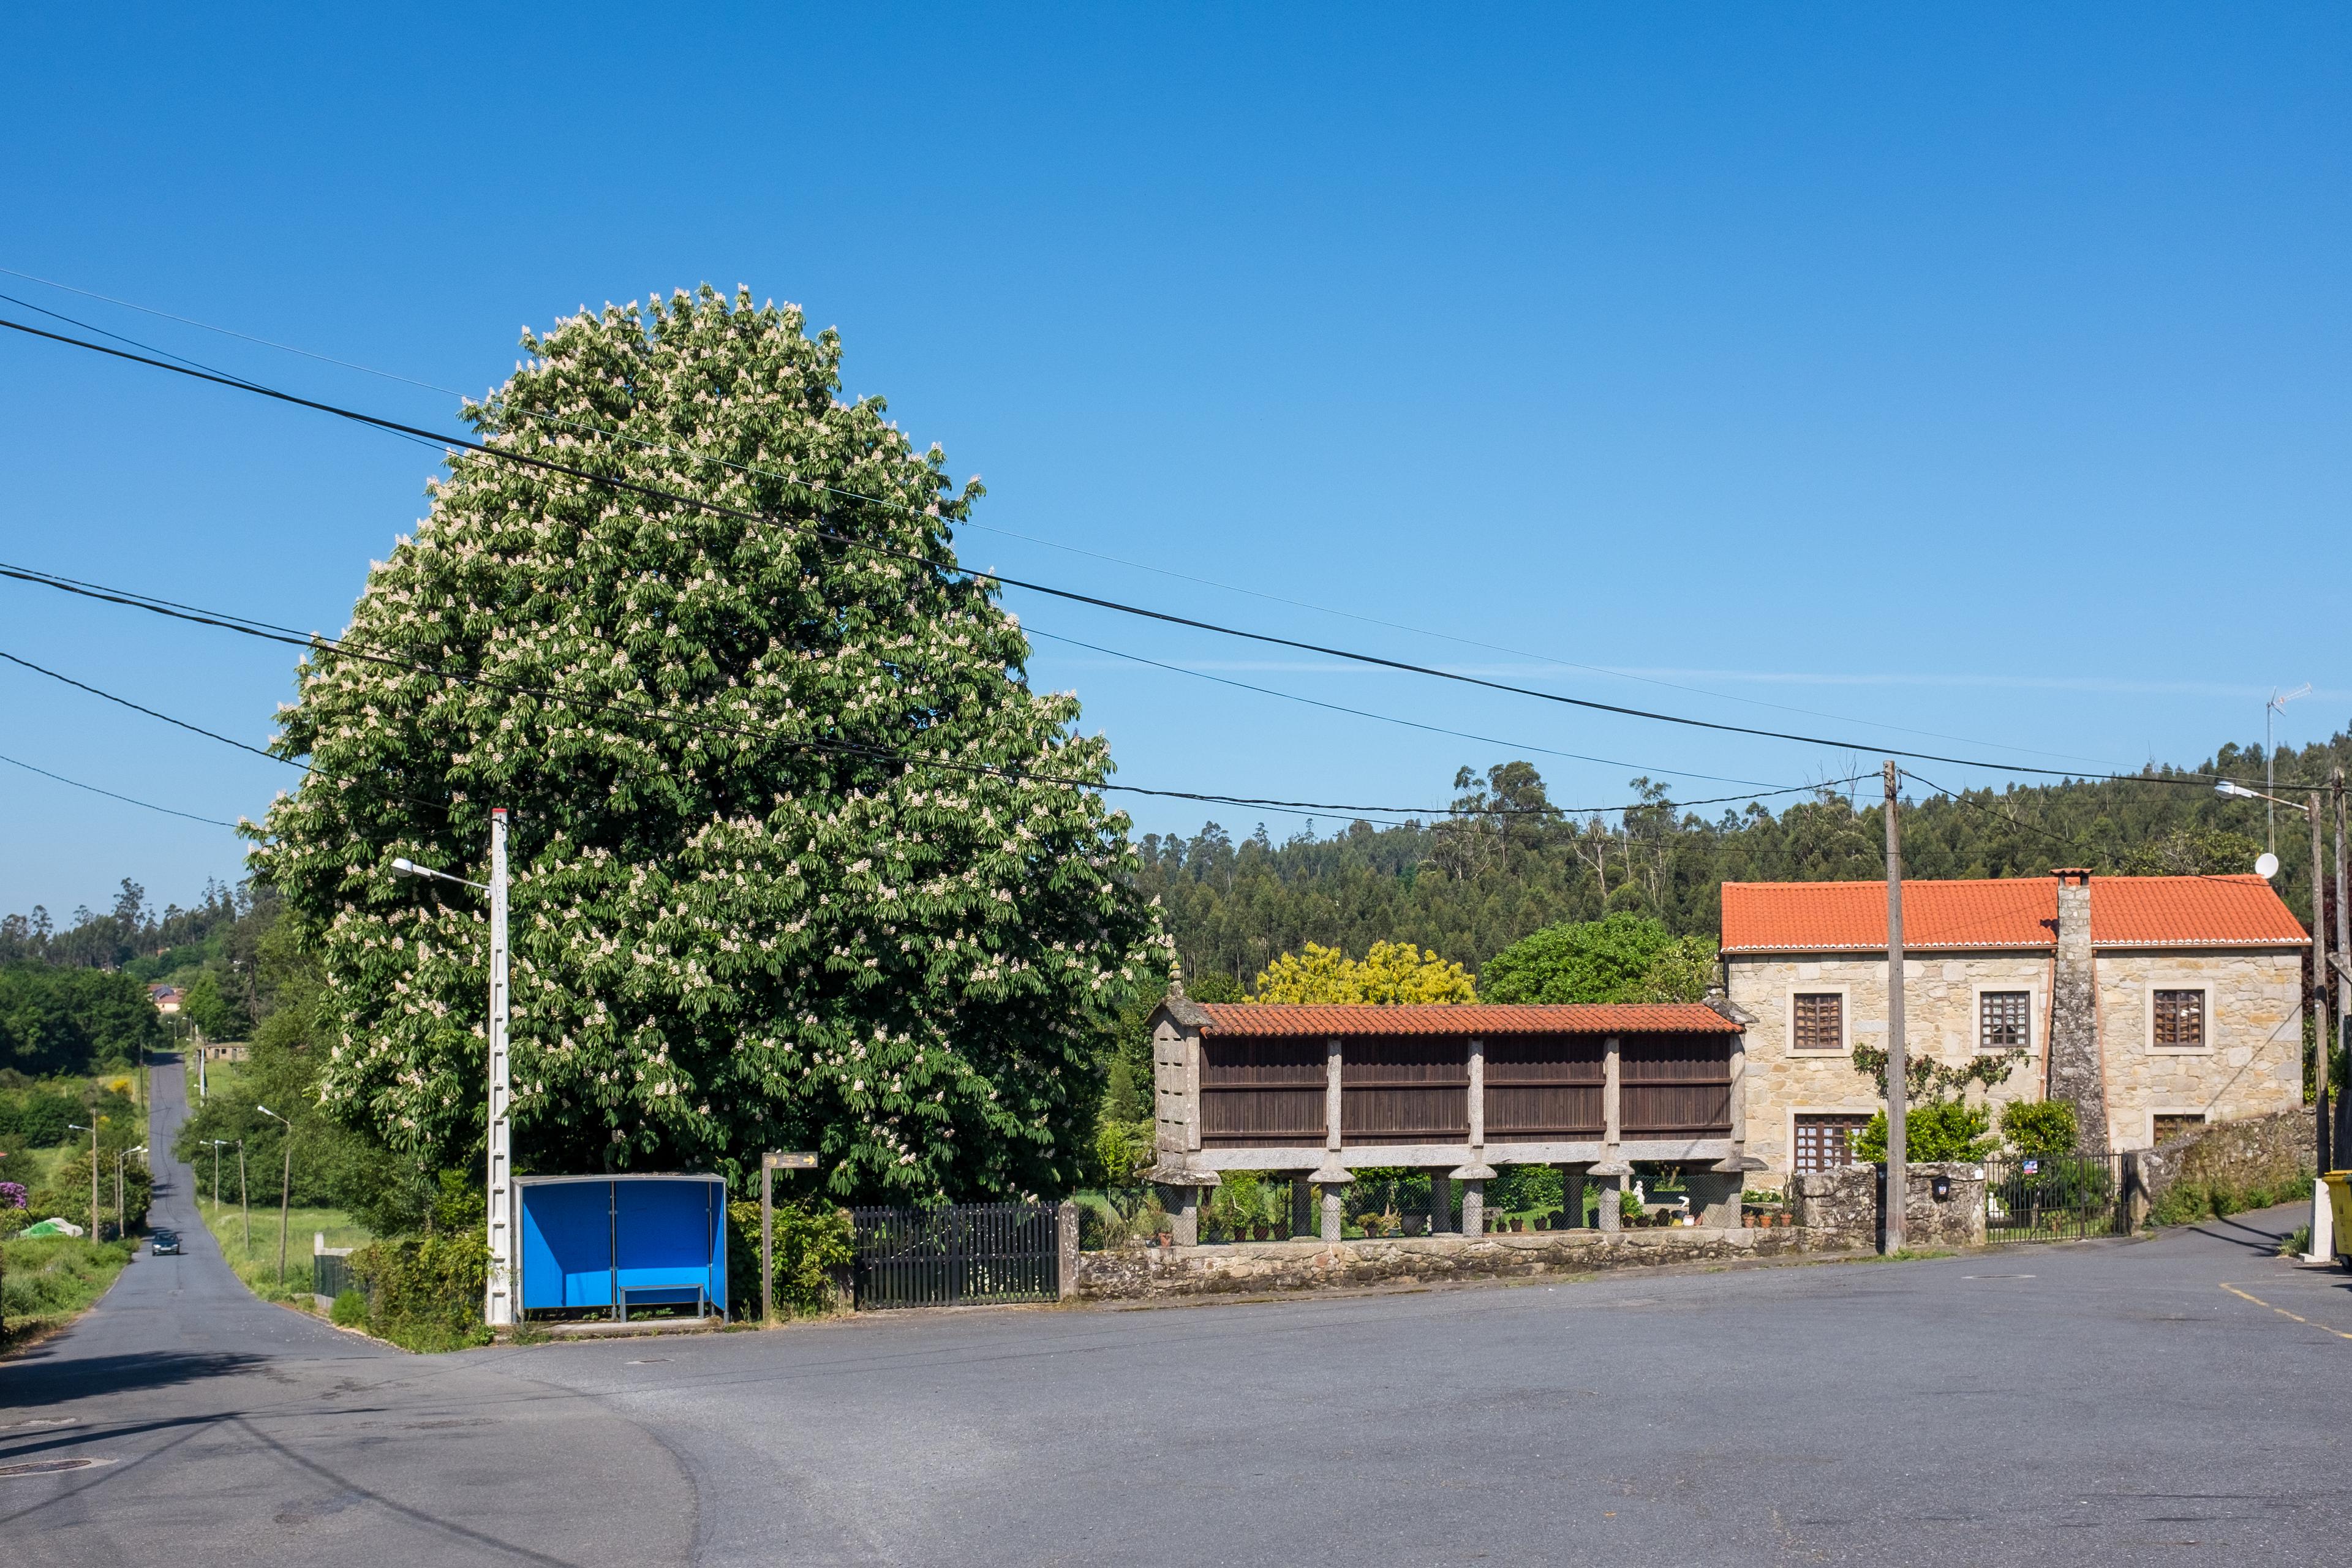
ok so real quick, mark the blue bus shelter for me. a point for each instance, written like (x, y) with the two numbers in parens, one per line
(622, 1241)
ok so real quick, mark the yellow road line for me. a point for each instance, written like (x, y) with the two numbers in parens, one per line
(2283, 1312)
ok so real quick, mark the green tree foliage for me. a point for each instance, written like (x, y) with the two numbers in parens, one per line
(1940, 1130)
(2037, 1128)
(1506, 863)
(66, 1192)
(799, 857)
(55, 1020)
(1624, 958)
(1391, 974)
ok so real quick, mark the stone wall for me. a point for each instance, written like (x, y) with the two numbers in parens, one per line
(1840, 1207)
(1257, 1267)
(2263, 1152)
(2252, 1065)
(1939, 1007)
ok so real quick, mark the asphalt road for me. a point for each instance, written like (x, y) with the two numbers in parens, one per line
(2107, 1403)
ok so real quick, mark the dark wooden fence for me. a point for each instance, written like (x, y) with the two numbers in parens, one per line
(956, 1255)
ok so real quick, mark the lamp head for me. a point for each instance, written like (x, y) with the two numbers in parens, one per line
(402, 866)
(2236, 790)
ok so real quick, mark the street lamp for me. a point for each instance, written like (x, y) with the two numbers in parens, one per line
(498, 1304)
(2323, 1213)
(121, 1212)
(77, 1127)
(219, 1144)
(285, 1192)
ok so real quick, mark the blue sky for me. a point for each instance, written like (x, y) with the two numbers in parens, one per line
(1972, 372)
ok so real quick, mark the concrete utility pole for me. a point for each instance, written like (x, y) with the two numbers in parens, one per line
(245, 1209)
(284, 1194)
(1898, 1065)
(92, 1130)
(2319, 1052)
(497, 1296)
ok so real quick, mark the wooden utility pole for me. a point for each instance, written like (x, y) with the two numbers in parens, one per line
(2343, 927)
(2319, 1051)
(767, 1239)
(1898, 1076)
(244, 1207)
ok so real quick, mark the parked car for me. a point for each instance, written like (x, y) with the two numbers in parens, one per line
(163, 1243)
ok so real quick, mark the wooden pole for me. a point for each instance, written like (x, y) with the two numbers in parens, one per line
(97, 1225)
(1898, 1065)
(2319, 1052)
(2343, 928)
(245, 1207)
(767, 1241)
(285, 1201)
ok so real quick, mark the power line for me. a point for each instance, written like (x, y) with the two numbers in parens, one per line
(612, 433)
(674, 498)
(149, 805)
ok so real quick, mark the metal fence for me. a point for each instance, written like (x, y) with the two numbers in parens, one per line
(331, 1274)
(2058, 1197)
(956, 1255)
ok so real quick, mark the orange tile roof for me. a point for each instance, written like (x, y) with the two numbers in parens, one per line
(2005, 912)
(1479, 1019)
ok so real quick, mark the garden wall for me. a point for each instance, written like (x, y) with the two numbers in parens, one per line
(1841, 1207)
(2261, 1151)
(1142, 1273)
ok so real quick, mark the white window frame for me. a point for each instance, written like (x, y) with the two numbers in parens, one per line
(1843, 991)
(2147, 1017)
(1976, 991)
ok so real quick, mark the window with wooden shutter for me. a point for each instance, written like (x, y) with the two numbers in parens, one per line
(2176, 1125)
(1824, 1142)
(2179, 1020)
(1819, 1021)
(2001, 1018)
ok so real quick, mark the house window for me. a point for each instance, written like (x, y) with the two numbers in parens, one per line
(1819, 1021)
(2001, 1020)
(1826, 1141)
(2179, 1020)
(2170, 1125)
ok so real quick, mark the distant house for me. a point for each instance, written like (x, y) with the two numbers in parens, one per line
(2153, 1004)
(167, 998)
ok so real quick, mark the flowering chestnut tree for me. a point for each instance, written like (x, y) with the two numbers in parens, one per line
(799, 858)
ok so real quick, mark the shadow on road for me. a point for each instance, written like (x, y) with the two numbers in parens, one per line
(2237, 1231)
(42, 1376)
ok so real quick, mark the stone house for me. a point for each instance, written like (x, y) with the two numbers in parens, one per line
(2154, 1004)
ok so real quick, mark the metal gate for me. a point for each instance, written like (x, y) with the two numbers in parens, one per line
(957, 1255)
(2058, 1197)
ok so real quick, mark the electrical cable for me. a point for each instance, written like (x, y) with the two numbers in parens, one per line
(610, 433)
(677, 499)
(269, 632)
(151, 805)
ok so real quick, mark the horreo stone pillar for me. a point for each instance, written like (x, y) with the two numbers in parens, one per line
(2077, 1075)
(1613, 1169)
(1331, 1175)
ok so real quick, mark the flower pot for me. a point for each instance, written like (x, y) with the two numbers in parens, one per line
(1518, 1225)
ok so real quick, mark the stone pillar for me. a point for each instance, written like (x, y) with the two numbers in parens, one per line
(1714, 1197)
(1612, 1069)
(1302, 1206)
(2077, 1076)
(1332, 1215)
(1572, 1187)
(1473, 1209)
(1441, 1203)
(1183, 1207)
(1331, 1101)
(1066, 1243)
(1611, 1215)
(1478, 1101)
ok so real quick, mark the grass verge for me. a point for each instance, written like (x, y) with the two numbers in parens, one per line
(257, 1264)
(51, 1281)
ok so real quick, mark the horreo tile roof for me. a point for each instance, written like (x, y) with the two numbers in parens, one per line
(2005, 912)
(1480, 1019)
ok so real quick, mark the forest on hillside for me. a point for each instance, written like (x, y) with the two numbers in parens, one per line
(1505, 865)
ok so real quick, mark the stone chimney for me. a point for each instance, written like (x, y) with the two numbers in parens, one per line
(2076, 1074)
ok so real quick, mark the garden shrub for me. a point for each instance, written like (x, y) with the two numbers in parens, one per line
(815, 1245)
(2034, 1128)
(2192, 1201)
(427, 1294)
(1938, 1130)
(351, 1309)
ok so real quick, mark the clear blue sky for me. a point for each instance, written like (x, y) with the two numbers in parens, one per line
(1980, 371)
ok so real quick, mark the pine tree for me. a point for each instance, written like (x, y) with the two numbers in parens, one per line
(800, 859)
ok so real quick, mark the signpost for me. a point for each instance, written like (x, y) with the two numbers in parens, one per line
(770, 1163)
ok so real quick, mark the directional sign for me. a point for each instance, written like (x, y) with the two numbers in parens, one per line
(775, 1162)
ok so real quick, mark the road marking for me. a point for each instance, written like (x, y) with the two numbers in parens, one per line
(2283, 1312)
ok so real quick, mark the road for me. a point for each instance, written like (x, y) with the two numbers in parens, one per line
(2107, 1403)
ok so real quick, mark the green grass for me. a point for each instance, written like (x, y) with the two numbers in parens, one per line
(52, 1280)
(257, 1265)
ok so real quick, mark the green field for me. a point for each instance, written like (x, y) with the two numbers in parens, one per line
(52, 1278)
(257, 1264)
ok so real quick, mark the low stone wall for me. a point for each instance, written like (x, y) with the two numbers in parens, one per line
(1841, 1207)
(1254, 1268)
(2235, 1156)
